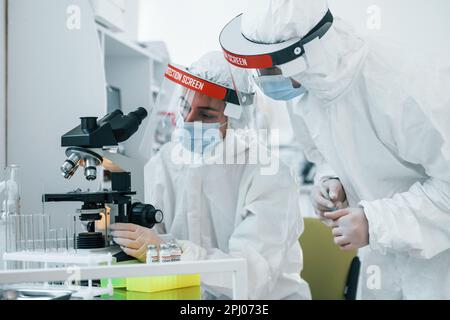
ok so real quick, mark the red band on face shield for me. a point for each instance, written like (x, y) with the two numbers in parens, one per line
(249, 62)
(194, 83)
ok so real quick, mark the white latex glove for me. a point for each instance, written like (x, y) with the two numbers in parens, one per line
(350, 228)
(328, 196)
(191, 252)
(134, 239)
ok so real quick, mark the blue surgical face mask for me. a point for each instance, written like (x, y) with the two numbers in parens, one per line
(199, 137)
(279, 88)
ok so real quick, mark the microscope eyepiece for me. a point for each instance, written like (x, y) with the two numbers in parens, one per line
(89, 124)
(140, 114)
(109, 131)
(125, 126)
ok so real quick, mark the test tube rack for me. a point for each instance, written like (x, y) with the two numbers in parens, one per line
(72, 261)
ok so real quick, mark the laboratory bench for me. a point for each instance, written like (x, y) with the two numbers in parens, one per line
(142, 274)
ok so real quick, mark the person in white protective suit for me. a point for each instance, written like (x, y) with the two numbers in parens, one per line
(214, 210)
(375, 123)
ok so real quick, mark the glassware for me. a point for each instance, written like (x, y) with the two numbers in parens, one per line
(63, 240)
(12, 228)
(72, 231)
(12, 185)
(25, 233)
(52, 242)
(3, 222)
(45, 234)
(39, 232)
(28, 233)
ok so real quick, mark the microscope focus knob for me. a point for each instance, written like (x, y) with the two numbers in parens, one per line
(145, 215)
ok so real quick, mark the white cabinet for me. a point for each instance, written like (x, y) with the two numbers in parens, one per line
(135, 72)
(56, 76)
(110, 13)
(2, 85)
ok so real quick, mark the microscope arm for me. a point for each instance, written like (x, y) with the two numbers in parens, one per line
(115, 162)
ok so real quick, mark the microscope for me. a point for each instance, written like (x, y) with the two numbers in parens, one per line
(92, 144)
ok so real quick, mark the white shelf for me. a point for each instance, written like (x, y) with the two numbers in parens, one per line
(238, 268)
(132, 69)
(73, 260)
(155, 89)
(59, 257)
(116, 44)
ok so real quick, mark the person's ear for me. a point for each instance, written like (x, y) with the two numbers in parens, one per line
(296, 84)
(224, 127)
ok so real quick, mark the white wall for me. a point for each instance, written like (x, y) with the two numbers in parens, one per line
(2, 118)
(132, 19)
(189, 27)
(416, 24)
(2, 86)
(55, 76)
(192, 27)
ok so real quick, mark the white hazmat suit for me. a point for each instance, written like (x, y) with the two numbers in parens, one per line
(380, 122)
(231, 210)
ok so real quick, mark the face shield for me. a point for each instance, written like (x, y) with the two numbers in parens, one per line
(271, 67)
(188, 103)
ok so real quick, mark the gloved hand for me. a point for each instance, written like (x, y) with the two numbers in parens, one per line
(350, 228)
(328, 196)
(134, 239)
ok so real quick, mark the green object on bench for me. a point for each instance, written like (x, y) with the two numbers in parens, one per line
(119, 282)
(153, 284)
(326, 267)
(191, 293)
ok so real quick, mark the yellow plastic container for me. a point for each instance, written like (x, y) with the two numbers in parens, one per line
(191, 293)
(162, 283)
(154, 283)
(118, 283)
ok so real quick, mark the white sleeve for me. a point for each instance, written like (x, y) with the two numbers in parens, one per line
(417, 221)
(312, 154)
(158, 189)
(271, 226)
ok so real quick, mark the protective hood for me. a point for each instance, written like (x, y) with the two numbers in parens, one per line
(274, 21)
(333, 62)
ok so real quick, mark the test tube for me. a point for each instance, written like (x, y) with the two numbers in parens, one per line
(20, 236)
(62, 240)
(72, 231)
(22, 232)
(52, 240)
(3, 196)
(13, 238)
(29, 233)
(11, 233)
(38, 232)
(8, 235)
(45, 231)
